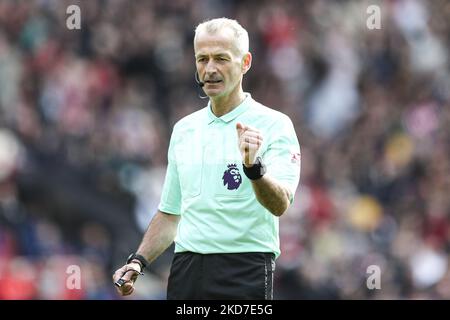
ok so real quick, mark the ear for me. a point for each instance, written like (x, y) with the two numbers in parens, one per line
(246, 62)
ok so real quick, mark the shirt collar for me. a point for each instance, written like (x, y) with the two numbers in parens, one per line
(241, 108)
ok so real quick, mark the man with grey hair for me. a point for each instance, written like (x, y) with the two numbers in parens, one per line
(233, 169)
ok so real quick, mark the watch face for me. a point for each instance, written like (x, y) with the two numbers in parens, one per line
(262, 166)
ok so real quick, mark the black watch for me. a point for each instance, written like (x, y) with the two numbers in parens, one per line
(134, 256)
(257, 171)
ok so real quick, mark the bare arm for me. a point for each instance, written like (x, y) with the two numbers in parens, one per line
(273, 196)
(159, 235)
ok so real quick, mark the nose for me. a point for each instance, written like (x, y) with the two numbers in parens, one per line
(210, 67)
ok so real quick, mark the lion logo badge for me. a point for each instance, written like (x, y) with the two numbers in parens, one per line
(231, 177)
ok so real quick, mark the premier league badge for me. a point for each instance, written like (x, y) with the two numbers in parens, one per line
(231, 177)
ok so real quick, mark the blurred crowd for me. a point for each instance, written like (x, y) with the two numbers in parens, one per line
(86, 116)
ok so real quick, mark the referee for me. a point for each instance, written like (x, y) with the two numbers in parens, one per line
(233, 168)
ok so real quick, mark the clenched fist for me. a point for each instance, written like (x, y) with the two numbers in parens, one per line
(250, 140)
(128, 273)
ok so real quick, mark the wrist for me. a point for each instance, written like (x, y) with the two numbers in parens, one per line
(137, 262)
(255, 171)
(139, 259)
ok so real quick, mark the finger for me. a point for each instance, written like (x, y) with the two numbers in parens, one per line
(130, 274)
(252, 140)
(127, 274)
(120, 289)
(252, 134)
(250, 156)
(128, 285)
(128, 288)
(249, 148)
(118, 274)
(251, 129)
(250, 145)
(240, 128)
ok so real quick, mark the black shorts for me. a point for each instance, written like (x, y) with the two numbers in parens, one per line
(221, 276)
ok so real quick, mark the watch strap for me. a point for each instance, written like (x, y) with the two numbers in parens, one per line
(135, 256)
(256, 171)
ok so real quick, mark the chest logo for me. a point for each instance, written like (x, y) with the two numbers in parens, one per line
(231, 177)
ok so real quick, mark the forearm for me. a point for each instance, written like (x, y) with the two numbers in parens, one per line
(159, 235)
(273, 196)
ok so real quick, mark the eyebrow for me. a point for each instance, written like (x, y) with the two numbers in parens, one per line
(220, 54)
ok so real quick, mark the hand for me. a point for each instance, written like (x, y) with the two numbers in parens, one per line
(129, 274)
(250, 140)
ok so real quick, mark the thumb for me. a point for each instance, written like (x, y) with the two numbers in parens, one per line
(127, 289)
(240, 128)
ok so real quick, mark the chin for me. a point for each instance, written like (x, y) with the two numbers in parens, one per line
(213, 93)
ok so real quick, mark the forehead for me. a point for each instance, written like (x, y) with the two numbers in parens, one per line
(220, 41)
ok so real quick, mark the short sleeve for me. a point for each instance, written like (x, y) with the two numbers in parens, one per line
(282, 156)
(171, 194)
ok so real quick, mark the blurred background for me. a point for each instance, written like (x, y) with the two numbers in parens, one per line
(86, 116)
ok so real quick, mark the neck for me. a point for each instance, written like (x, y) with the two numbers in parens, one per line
(225, 104)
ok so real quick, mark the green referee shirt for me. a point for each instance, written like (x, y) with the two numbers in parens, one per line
(206, 185)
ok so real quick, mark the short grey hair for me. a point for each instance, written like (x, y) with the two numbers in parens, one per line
(214, 25)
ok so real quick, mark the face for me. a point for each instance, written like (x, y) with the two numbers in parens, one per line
(219, 64)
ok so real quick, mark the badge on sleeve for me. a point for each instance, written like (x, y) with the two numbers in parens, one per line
(295, 157)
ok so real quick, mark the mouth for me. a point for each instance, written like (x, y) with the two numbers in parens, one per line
(213, 81)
